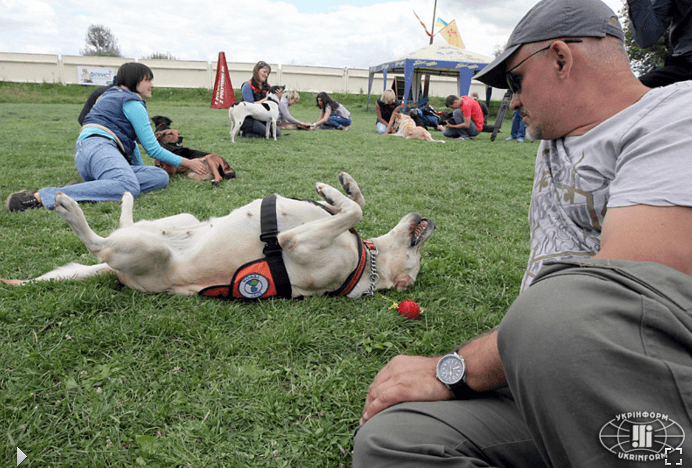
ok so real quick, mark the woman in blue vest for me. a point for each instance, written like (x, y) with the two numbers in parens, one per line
(255, 90)
(107, 156)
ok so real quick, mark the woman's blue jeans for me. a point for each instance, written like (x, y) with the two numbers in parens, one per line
(335, 122)
(106, 175)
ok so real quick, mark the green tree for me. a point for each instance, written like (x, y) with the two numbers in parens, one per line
(161, 56)
(101, 41)
(643, 60)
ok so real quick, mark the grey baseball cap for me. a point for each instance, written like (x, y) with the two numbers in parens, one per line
(552, 19)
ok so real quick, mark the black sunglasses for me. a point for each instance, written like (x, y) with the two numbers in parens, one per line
(514, 81)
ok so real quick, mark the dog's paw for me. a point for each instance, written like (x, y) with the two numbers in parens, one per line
(64, 204)
(351, 188)
(320, 187)
(346, 180)
(127, 197)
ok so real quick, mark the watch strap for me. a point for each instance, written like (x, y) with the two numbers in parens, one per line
(462, 391)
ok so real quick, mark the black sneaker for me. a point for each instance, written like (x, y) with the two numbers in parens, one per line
(22, 201)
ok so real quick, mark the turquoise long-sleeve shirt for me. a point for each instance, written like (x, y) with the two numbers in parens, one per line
(137, 114)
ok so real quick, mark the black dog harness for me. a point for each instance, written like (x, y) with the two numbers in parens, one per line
(267, 277)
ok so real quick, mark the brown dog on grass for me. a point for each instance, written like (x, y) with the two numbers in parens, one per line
(406, 127)
(217, 167)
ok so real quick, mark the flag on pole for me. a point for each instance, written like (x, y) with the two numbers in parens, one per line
(423, 24)
(223, 96)
(440, 23)
(451, 35)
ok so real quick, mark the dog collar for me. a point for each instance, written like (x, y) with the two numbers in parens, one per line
(374, 277)
(364, 247)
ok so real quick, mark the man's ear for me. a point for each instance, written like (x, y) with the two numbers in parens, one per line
(563, 58)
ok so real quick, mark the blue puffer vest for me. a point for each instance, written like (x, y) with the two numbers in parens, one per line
(108, 111)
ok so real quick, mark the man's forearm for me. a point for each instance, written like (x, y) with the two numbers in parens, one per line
(484, 369)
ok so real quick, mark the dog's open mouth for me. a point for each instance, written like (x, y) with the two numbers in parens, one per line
(421, 230)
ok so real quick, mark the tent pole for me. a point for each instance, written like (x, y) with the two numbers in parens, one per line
(432, 33)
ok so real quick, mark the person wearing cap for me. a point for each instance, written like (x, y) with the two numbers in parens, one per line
(592, 364)
(651, 19)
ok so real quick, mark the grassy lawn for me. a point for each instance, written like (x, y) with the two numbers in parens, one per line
(96, 376)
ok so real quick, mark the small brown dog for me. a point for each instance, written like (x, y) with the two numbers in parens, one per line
(406, 127)
(217, 167)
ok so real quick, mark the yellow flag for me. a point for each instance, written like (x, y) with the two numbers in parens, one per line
(451, 35)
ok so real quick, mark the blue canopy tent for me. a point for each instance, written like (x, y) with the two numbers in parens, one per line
(436, 59)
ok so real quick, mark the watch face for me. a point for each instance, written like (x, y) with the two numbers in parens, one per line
(450, 369)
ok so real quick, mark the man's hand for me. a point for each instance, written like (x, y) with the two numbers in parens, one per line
(404, 378)
(412, 378)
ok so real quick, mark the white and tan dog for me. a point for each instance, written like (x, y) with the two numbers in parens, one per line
(182, 255)
(266, 111)
(406, 127)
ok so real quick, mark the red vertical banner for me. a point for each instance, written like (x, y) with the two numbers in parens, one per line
(223, 96)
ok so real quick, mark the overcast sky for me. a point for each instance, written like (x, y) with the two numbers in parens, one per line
(333, 33)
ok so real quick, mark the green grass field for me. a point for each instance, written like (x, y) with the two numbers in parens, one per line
(96, 376)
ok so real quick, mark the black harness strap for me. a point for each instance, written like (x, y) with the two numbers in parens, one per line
(272, 250)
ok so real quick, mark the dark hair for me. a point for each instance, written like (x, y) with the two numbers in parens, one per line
(130, 74)
(450, 100)
(326, 100)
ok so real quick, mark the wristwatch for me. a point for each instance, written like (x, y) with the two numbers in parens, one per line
(451, 371)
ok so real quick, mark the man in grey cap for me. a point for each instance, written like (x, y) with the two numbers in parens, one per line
(592, 364)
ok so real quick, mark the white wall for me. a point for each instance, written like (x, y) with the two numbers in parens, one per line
(40, 68)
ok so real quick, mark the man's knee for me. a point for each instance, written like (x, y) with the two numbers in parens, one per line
(367, 445)
(555, 323)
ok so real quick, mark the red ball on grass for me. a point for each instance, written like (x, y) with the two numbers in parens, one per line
(409, 309)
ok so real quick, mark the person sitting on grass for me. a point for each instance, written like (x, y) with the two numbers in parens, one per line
(387, 108)
(255, 90)
(487, 128)
(591, 365)
(467, 119)
(107, 155)
(333, 116)
(286, 120)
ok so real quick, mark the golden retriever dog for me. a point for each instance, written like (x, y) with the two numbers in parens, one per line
(225, 257)
(406, 127)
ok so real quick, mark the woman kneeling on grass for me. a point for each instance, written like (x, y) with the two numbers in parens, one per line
(334, 115)
(107, 156)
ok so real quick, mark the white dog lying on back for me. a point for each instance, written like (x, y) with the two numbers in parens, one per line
(266, 111)
(320, 252)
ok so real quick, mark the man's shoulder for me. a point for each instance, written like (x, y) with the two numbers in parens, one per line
(470, 102)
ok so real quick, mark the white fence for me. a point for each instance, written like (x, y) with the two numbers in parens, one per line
(65, 69)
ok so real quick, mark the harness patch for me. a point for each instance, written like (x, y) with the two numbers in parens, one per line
(254, 281)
